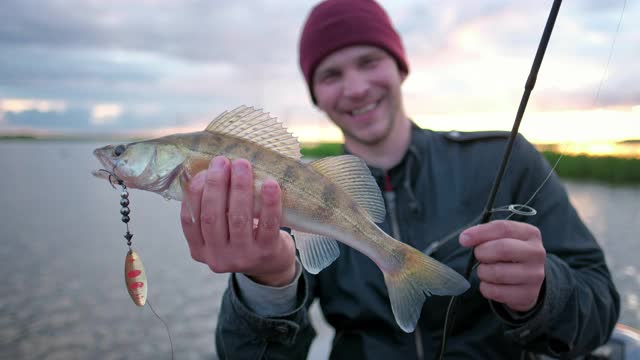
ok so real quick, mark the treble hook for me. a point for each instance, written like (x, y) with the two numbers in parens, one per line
(112, 177)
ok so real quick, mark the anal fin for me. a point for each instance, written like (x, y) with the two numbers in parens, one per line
(316, 251)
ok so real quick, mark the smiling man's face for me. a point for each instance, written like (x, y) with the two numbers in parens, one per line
(358, 87)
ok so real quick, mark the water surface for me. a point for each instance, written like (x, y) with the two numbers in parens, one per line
(62, 260)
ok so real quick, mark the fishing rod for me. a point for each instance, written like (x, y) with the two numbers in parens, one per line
(528, 88)
(486, 215)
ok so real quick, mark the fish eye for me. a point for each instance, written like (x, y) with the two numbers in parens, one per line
(119, 150)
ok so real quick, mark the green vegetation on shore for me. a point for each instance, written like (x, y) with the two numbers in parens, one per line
(606, 169)
(18, 137)
(321, 150)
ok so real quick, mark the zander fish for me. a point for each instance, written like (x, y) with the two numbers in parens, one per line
(330, 199)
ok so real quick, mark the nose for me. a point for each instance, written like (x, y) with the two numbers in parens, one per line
(355, 85)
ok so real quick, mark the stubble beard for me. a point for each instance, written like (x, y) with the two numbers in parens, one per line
(372, 141)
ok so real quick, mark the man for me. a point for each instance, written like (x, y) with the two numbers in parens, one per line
(542, 284)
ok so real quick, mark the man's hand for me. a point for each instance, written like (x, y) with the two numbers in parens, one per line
(224, 235)
(511, 257)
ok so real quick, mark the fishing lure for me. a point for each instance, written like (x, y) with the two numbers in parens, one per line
(134, 275)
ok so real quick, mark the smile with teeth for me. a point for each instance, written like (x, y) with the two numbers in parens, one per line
(364, 109)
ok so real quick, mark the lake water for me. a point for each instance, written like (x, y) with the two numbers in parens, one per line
(62, 256)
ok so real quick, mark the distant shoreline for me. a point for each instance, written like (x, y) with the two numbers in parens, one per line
(81, 138)
(607, 169)
(108, 137)
(603, 168)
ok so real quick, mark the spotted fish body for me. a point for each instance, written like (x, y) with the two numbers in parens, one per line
(330, 199)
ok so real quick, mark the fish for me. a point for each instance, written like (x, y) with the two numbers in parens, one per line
(324, 201)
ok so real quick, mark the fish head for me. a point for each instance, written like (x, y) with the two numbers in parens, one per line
(128, 162)
(150, 165)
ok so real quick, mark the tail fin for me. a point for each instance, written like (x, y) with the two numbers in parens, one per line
(413, 278)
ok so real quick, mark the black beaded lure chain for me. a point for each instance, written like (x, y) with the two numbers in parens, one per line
(134, 274)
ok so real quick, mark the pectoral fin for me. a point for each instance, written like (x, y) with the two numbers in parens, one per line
(185, 178)
(190, 168)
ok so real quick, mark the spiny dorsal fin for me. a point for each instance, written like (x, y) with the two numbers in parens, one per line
(256, 126)
(351, 174)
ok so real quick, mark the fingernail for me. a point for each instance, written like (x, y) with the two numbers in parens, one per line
(464, 239)
(240, 167)
(218, 163)
(197, 182)
(269, 186)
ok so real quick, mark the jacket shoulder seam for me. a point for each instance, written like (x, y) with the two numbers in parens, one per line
(470, 136)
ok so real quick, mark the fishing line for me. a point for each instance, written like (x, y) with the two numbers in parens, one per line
(135, 276)
(515, 208)
(596, 98)
(613, 45)
(165, 326)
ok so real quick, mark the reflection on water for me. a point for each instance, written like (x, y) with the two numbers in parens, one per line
(613, 215)
(62, 260)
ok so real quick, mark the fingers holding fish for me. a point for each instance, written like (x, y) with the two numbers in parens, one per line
(240, 206)
(276, 246)
(190, 217)
(270, 212)
(213, 215)
(273, 259)
(224, 236)
(264, 253)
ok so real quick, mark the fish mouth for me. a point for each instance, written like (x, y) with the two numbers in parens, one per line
(111, 177)
(101, 155)
(101, 173)
(108, 172)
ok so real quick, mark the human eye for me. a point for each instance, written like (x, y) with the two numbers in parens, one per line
(328, 76)
(369, 62)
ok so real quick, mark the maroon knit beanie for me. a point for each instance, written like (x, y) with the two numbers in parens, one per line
(334, 24)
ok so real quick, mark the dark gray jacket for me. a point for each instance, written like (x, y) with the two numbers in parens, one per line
(442, 185)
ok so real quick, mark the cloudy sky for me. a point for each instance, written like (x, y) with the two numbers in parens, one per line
(159, 66)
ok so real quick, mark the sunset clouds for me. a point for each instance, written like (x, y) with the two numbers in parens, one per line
(159, 65)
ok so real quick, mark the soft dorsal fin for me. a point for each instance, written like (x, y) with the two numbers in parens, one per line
(351, 174)
(256, 126)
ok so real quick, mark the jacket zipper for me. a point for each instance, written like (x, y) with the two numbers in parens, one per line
(390, 197)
